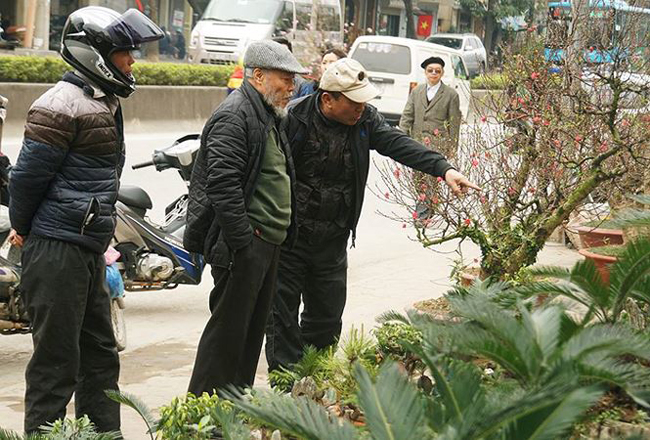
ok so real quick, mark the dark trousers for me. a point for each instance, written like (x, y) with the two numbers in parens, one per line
(74, 346)
(240, 303)
(317, 275)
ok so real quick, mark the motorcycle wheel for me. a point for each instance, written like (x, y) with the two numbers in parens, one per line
(118, 323)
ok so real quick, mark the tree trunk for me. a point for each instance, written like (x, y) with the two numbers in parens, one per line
(490, 24)
(153, 49)
(410, 21)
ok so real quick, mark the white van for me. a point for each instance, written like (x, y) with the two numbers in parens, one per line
(227, 26)
(393, 66)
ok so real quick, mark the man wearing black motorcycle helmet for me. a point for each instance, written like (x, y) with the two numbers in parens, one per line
(62, 207)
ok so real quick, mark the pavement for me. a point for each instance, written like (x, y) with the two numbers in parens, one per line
(388, 270)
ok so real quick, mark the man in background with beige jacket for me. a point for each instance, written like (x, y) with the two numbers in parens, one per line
(432, 113)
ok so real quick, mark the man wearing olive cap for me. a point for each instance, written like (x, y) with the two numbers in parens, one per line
(331, 133)
(432, 113)
(241, 209)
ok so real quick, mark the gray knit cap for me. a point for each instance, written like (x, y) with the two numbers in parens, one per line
(267, 54)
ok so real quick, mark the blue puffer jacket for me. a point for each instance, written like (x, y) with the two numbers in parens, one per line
(65, 182)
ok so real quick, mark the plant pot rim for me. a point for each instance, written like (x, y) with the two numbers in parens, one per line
(594, 256)
(596, 230)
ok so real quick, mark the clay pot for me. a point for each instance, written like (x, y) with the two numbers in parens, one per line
(469, 275)
(602, 262)
(595, 237)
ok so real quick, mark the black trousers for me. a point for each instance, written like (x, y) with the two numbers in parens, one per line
(317, 276)
(240, 303)
(74, 346)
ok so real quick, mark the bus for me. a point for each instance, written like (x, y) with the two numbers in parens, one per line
(227, 26)
(615, 31)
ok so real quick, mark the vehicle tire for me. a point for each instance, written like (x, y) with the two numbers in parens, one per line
(118, 323)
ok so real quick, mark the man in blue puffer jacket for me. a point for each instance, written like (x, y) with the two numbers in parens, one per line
(63, 191)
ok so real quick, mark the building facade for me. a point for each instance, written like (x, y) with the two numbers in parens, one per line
(50, 16)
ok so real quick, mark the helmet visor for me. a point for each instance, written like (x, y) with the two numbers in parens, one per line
(132, 29)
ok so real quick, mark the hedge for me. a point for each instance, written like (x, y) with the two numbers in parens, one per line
(493, 81)
(50, 69)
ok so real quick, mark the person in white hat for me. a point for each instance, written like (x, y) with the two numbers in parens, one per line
(331, 133)
(240, 210)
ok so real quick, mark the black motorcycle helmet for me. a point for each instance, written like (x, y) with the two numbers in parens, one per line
(92, 34)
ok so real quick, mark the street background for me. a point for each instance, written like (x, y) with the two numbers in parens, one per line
(387, 270)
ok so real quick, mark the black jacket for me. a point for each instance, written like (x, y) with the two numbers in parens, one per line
(371, 132)
(66, 179)
(225, 173)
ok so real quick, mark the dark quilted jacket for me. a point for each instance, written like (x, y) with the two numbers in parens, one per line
(65, 182)
(225, 173)
(372, 132)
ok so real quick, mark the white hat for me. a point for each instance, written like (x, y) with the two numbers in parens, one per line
(350, 78)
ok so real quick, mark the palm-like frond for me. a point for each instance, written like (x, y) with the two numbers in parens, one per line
(632, 268)
(584, 284)
(138, 405)
(633, 378)
(232, 427)
(299, 417)
(606, 340)
(548, 415)
(392, 406)
(459, 393)
(498, 336)
(6, 434)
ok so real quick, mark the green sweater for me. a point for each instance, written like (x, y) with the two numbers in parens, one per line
(270, 207)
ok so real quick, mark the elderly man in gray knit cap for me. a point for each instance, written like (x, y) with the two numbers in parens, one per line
(241, 209)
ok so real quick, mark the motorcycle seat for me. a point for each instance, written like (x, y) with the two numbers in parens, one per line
(135, 197)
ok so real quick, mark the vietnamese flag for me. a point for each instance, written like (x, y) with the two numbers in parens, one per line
(424, 25)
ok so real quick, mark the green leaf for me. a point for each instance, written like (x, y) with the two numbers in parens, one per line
(631, 270)
(393, 407)
(298, 417)
(550, 418)
(135, 403)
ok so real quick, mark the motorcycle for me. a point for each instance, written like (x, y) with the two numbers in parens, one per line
(149, 256)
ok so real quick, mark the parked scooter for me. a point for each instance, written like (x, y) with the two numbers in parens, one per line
(151, 256)
(10, 38)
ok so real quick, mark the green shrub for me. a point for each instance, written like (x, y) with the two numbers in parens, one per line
(191, 416)
(494, 81)
(50, 69)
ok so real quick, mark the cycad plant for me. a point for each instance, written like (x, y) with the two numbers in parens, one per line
(395, 409)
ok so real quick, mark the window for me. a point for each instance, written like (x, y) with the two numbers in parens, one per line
(284, 22)
(303, 16)
(328, 18)
(384, 57)
(454, 43)
(459, 67)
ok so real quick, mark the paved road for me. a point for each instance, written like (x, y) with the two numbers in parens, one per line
(387, 270)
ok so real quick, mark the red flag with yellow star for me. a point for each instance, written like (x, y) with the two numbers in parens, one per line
(424, 25)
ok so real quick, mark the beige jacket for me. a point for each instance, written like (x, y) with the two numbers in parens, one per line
(438, 120)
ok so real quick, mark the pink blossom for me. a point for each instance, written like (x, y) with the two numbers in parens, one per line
(436, 132)
(546, 123)
(415, 215)
(403, 225)
(427, 141)
(537, 120)
(396, 173)
(435, 200)
(483, 119)
(387, 195)
(423, 186)
(468, 222)
(534, 75)
(579, 138)
(625, 123)
(422, 197)
(483, 199)
(474, 162)
(439, 179)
